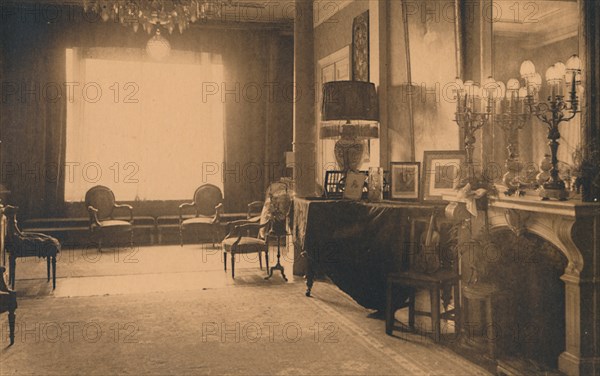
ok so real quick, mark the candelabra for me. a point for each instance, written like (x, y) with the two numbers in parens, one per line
(471, 115)
(512, 114)
(554, 111)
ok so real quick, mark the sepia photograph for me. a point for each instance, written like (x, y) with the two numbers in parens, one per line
(300, 187)
(443, 171)
(405, 182)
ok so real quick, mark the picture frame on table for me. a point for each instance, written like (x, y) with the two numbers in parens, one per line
(405, 181)
(441, 173)
(355, 181)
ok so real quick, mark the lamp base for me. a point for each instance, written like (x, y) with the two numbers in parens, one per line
(349, 153)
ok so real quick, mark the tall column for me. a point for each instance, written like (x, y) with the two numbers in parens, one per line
(304, 104)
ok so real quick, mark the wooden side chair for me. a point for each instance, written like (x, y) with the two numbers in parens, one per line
(101, 204)
(28, 244)
(208, 204)
(435, 275)
(252, 235)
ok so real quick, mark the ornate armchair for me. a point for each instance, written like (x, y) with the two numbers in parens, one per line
(271, 222)
(28, 244)
(208, 203)
(100, 203)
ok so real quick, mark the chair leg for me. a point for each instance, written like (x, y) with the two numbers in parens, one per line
(11, 325)
(267, 259)
(389, 309)
(411, 309)
(48, 269)
(225, 261)
(131, 238)
(13, 266)
(457, 309)
(435, 313)
(260, 260)
(181, 236)
(233, 265)
(53, 272)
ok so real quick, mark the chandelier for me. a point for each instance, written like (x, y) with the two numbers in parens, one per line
(170, 14)
(151, 15)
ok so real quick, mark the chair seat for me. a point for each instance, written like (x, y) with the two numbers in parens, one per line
(115, 224)
(30, 244)
(246, 245)
(197, 221)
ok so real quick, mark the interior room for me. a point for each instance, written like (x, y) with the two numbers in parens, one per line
(315, 187)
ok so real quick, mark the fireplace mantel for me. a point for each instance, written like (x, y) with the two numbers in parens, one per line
(574, 228)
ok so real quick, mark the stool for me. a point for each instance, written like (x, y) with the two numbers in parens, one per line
(433, 282)
(485, 295)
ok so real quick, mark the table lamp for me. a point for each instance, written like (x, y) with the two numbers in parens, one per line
(350, 114)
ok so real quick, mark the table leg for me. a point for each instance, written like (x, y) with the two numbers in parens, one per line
(310, 274)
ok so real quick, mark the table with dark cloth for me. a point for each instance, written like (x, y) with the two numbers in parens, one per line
(356, 244)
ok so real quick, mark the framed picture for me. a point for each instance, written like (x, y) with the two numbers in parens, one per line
(441, 172)
(355, 181)
(405, 184)
(360, 47)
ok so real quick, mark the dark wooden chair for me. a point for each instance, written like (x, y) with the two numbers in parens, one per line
(208, 204)
(435, 274)
(252, 235)
(21, 244)
(101, 204)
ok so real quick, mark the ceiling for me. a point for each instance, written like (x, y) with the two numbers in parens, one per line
(537, 23)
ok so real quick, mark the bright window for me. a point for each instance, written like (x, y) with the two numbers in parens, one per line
(142, 128)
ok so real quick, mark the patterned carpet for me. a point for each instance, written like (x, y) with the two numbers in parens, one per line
(217, 326)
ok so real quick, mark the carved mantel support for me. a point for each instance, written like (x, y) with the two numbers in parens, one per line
(574, 228)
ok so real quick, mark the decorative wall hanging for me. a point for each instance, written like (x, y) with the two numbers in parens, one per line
(360, 47)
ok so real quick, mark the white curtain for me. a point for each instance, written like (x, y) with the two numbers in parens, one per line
(151, 134)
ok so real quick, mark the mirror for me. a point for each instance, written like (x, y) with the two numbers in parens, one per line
(545, 32)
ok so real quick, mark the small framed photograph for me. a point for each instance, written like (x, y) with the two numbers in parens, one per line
(405, 184)
(441, 172)
(355, 181)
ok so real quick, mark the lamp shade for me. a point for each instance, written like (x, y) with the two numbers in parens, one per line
(349, 101)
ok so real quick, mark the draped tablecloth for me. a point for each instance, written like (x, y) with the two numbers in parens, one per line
(355, 243)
